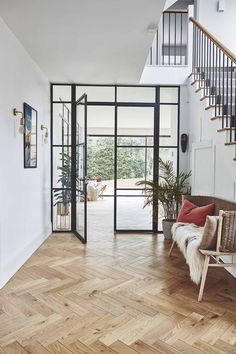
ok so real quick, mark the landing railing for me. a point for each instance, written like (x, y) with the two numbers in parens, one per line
(214, 69)
(170, 45)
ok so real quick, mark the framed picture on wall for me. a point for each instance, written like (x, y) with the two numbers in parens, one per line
(30, 136)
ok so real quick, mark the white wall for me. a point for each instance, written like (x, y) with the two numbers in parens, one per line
(211, 162)
(220, 24)
(24, 193)
(184, 127)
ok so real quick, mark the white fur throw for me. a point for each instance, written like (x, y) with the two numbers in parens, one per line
(188, 238)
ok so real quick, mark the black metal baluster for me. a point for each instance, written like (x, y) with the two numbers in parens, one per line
(204, 64)
(210, 75)
(231, 98)
(207, 68)
(157, 47)
(163, 38)
(175, 40)
(181, 38)
(202, 57)
(234, 116)
(199, 57)
(213, 74)
(216, 81)
(223, 93)
(194, 52)
(169, 41)
(220, 78)
(227, 92)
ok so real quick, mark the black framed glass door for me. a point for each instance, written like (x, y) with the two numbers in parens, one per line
(80, 178)
(134, 162)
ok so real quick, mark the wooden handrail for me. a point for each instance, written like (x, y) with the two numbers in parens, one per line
(224, 49)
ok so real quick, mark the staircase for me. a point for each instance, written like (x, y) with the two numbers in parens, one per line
(214, 75)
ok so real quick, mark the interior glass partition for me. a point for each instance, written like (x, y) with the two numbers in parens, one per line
(79, 177)
(134, 159)
(61, 158)
(128, 129)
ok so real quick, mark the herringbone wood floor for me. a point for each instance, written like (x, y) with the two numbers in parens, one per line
(115, 295)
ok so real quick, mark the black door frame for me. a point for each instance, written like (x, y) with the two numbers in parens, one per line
(74, 178)
(116, 104)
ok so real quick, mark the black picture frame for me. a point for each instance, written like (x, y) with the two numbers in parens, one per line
(30, 136)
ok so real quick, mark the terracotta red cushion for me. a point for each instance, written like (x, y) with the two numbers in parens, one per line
(193, 214)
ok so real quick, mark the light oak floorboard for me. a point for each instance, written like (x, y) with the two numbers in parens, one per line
(117, 294)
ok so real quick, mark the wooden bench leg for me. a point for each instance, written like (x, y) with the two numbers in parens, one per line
(203, 280)
(171, 248)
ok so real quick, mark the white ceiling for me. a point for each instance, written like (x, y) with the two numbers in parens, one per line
(89, 41)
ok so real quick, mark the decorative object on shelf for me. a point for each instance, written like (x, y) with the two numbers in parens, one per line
(17, 113)
(167, 191)
(46, 131)
(184, 142)
(30, 136)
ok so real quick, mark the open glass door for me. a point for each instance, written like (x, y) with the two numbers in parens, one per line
(81, 169)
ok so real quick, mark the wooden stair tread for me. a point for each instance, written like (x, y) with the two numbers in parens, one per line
(225, 129)
(231, 143)
(213, 106)
(220, 117)
(196, 80)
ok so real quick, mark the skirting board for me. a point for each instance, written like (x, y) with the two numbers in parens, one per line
(7, 272)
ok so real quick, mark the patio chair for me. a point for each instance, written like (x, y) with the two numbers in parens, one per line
(102, 191)
(225, 246)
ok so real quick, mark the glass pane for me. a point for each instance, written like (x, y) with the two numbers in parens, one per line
(61, 93)
(135, 141)
(131, 215)
(131, 192)
(160, 217)
(101, 120)
(136, 94)
(100, 162)
(61, 124)
(169, 95)
(80, 137)
(96, 93)
(168, 125)
(169, 154)
(133, 165)
(61, 210)
(61, 167)
(80, 210)
(135, 121)
(80, 165)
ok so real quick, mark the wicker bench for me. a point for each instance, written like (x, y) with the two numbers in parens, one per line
(226, 236)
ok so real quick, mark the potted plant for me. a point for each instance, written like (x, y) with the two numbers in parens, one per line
(167, 191)
(63, 197)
